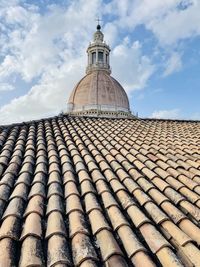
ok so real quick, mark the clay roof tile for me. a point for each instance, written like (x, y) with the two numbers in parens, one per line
(127, 190)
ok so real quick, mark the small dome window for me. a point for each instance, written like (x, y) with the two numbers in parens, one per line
(93, 57)
(100, 56)
(106, 58)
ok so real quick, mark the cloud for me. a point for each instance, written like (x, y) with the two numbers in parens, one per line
(176, 23)
(39, 46)
(173, 64)
(42, 48)
(130, 66)
(170, 21)
(47, 98)
(6, 87)
(166, 114)
(46, 48)
(111, 33)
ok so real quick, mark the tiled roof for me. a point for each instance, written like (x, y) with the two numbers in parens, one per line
(100, 192)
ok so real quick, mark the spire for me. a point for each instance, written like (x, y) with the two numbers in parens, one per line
(98, 53)
(98, 35)
(98, 25)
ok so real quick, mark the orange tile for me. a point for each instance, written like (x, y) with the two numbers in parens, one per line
(168, 258)
(10, 228)
(35, 204)
(115, 185)
(58, 251)
(31, 252)
(107, 244)
(153, 238)
(7, 252)
(82, 249)
(55, 225)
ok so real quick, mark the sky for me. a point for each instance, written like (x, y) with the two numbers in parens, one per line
(155, 54)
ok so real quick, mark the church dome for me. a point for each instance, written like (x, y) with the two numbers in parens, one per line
(98, 91)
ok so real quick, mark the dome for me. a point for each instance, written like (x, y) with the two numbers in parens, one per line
(98, 91)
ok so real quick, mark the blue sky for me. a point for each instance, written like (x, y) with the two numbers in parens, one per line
(155, 54)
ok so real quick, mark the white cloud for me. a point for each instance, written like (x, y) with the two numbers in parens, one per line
(6, 87)
(46, 47)
(173, 64)
(111, 34)
(166, 114)
(50, 47)
(130, 66)
(169, 20)
(177, 24)
(47, 98)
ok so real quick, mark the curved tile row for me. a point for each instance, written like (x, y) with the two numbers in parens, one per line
(93, 192)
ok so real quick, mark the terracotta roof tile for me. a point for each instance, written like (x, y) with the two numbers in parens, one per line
(55, 203)
(73, 204)
(10, 228)
(37, 189)
(58, 251)
(167, 258)
(82, 249)
(108, 245)
(7, 252)
(55, 225)
(77, 224)
(126, 193)
(32, 226)
(190, 229)
(31, 252)
(35, 204)
(98, 222)
(153, 238)
(137, 216)
(21, 191)
(4, 192)
(174, 213)
(15, 208)
(24, 178)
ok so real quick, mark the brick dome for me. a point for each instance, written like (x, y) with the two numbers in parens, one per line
(98, 91)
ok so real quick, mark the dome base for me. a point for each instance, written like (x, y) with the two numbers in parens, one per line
(101, 113)
(98, 91)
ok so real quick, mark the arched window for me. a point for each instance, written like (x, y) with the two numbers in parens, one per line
(100, 56)
(93, 57)
(106, 58)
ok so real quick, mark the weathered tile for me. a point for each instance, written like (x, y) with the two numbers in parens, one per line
(82, 249)
(10, 228)
(58, 251)
(32, 226)
(7, 252)
(31, 252)
(130, 185)
(55, 225)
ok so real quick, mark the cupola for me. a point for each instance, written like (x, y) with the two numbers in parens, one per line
(98, 93)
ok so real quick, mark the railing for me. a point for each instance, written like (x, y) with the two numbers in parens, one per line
(78, 108)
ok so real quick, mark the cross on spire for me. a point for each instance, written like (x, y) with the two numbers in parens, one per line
(98, 20)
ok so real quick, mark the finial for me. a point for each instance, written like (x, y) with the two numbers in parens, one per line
(98, 25)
